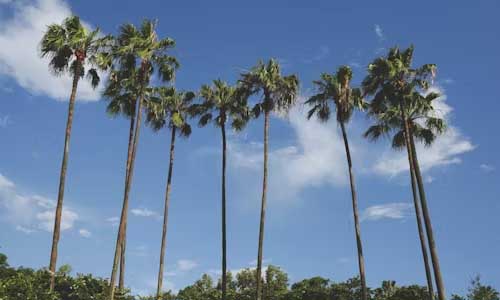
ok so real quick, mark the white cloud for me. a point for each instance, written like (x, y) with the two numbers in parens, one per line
(5, 183)
(487, 168)
(386, 211)
(19, 56)
(85, 233)
(29, 213)
(24, 229)
(143, 212)
(315, 158)
(46, 219)
(379, 32)
(5, 1)
(185, 265)
(446, 150)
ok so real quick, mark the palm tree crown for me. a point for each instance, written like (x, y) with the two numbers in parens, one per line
(170, 108)
(222, 102)
(392, 78)
(279, 92)
(423, 120)
(335, 87)
(70, 47)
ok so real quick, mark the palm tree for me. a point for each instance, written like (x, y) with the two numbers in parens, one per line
(71, 47)
(396, 88)
(137, 54)
(168, 108)
(336, 87)
(222, 102)
(277, 93)
(122, 94)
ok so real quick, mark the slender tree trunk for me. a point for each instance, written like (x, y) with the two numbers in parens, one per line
(224, 266)
(123, 218)
(418, 214)
(263, 207)
(427, 219)
(121, 280)
(165, 215)
(361, 260)
(62, 180)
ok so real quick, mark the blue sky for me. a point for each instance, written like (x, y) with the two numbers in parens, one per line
(309, 226)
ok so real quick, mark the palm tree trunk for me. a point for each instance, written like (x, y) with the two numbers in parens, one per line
(165, 215)
(62, 180)
(418, 214)
(224, 266)
(428, 225)
(361, 260)
(123, 217)
(263, 208)
(121, 280)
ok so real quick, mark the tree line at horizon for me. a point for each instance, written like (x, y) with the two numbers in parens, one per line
(28, 284)
(394, 94)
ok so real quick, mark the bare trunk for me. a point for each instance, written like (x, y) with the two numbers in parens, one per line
(121, 280)
(418, 214)
(224, 266)
(123, 217)
(165, 216)
(62, 180)
(428, 225)
(361, 260)
(263, 208)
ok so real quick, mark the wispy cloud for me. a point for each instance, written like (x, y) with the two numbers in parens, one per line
(185, 265)
(321, 54)
(24, 229)
(264, 261)
(31, 212)
(386, 211)
(379, 32)
(144, 212)
(84, 233)
(4, 121)
(355, 64)
(487, 168)
(141, 251)
(114, 221)
(26, 27)
(448, 81)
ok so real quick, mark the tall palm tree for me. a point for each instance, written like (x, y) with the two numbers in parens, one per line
(396, 87)
(277, 93)
(122, 95)
(137, 54)
(335, 89)
(71, 48)
(425, 126)
(221, 103)
(168, 108)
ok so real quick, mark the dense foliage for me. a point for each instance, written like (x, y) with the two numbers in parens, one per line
(28, 284)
